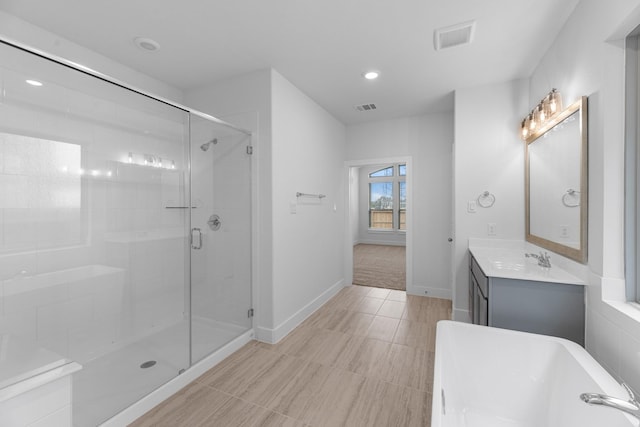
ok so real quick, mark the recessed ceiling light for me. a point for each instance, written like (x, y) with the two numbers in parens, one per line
(34, 82)
(371, 75)
(146, 44)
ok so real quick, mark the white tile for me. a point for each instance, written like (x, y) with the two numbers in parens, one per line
(37, 404)
(63, 259)
(19, 229)
(18, 264)
(604, 341)
(630, 360)
(59, 418)
(59, 318)
(21, 323)
(90, 340)
(2, 155)
(19, 191)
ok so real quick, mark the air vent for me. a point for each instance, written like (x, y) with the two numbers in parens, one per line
(366, 107)
(454, 35)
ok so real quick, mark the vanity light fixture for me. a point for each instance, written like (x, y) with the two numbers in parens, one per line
(544, 111)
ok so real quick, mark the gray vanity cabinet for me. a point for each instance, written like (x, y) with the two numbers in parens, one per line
(546, 308)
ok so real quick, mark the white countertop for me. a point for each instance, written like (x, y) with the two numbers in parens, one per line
(509, 262)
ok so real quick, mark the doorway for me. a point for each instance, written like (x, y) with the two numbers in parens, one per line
(378, 244)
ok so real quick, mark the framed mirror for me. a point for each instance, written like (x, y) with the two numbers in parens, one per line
(556, 184)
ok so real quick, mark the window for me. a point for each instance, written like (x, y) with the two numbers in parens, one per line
(388, 198)
(402, 211)
(44, 205)
(382, 172)
(632, 170)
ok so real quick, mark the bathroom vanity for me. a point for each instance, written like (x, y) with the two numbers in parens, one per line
(508, 290)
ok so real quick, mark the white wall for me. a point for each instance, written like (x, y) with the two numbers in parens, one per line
(15, 29)
(308, 155)
(583, 62)
(489, 156)
(354, 203)
(427, 141)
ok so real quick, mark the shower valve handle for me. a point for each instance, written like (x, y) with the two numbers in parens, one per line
(214, 222)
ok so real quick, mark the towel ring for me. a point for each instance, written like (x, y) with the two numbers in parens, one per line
(486, 200)
(571, 198)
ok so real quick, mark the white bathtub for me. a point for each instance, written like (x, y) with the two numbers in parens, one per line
(490, 377)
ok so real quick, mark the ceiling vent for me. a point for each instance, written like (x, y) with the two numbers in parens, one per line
(366, 107)
(454, 35)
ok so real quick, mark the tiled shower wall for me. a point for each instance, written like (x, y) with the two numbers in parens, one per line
(90, 255)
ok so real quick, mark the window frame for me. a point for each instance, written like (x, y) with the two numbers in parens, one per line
(632, 169)
(395, 179)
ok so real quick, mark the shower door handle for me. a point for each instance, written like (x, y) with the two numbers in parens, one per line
(195, 245)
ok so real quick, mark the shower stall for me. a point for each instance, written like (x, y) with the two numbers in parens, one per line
(125, 230)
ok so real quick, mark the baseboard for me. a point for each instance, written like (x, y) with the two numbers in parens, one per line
(427, 291)
(272, 336)
(378, 242)
(167, 390)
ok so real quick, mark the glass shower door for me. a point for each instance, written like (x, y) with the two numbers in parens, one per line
(93, 255)
(220, 235)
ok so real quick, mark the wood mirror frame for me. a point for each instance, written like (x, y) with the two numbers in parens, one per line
(578, 253)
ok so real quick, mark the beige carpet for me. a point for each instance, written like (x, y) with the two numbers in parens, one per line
(381, 266)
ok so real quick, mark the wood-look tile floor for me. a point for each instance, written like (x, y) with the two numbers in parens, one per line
(363, 359)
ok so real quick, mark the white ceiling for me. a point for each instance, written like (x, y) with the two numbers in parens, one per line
(321, 46)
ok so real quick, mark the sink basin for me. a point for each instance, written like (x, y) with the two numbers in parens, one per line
(509, 265)
(512, 264)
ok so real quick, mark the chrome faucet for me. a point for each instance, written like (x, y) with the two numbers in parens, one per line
(544, 260)
(631, 406)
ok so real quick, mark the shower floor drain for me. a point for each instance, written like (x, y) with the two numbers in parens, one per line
(148, 364)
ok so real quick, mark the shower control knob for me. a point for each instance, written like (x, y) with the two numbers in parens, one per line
(214, 222)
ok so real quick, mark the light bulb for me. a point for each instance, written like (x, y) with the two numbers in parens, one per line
(555, 101)
(525, 130)
(541, 115)
(130, 157)
(532, 122)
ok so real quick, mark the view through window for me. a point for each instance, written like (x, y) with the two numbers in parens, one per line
(388, 198)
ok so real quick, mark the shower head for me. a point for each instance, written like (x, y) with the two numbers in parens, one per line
(205, 146)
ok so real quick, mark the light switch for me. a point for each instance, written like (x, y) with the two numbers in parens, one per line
(472, 205)
(293, 207)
